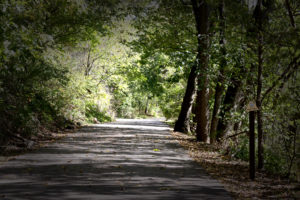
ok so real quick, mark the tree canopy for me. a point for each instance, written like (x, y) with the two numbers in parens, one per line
(197, 63)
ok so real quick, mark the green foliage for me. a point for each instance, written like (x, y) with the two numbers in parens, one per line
(92, 112)
(34, 83)
(240, 148)
(171, 101)
(281, 129)
(275, 162)
(74, 61)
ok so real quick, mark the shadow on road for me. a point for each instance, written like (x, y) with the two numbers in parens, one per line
(128, 159)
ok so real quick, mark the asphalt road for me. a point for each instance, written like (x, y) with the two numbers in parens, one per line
(127, 159)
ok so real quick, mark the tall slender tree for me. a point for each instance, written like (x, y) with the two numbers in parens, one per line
(219, 90)
(183, 122)
(201, 13)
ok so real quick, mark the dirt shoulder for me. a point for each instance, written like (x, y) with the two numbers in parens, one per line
(19, 145)
(234, 174)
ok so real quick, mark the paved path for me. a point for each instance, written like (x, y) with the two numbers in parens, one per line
(127, 159)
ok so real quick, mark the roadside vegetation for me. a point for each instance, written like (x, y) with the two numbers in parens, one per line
(196, 63)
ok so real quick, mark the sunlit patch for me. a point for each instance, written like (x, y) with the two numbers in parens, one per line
(134, 124)
(132, 127)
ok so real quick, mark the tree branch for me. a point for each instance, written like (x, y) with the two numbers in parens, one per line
(234, 135)
(294, 64)
(288, 7)
(185, 3)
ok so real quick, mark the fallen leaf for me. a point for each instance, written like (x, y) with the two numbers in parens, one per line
(165, 188)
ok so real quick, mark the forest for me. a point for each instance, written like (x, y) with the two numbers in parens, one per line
(197, 63)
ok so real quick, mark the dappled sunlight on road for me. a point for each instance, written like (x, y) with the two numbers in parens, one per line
(142, 124)
(131, 126)
(127, 159)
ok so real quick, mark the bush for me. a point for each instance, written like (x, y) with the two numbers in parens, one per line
(92, 112)
(240, 148)
(274, 162)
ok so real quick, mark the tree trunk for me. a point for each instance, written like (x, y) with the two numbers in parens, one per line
(220, 82)
(147, 104)
(193, 120)
(258, 20)
(231, 102)
(215, 115)
(297, 153)
(202, 112)
(88, 66)
(288, 7)
(200, 10)
(183, 124)
(259, 112)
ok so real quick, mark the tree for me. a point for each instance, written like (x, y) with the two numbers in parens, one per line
(258, 15)
(201, 14)
(221, 79)
(32, 32)
(183, 122)
(169, 29)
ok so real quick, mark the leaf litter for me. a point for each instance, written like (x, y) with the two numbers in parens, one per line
(234, 174)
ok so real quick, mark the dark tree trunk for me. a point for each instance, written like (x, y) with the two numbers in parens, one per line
(200, 10)
(194, 122)
(258, 21)
(147, 104)
(231, 101)
(88, 64)
(220, 82)
(215, 115)
(288, 7)
(259, 112)
(202, 112)
(183, 124)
